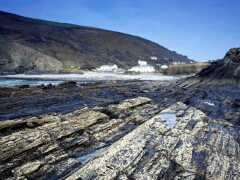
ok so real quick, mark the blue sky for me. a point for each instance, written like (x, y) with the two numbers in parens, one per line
(200, 29)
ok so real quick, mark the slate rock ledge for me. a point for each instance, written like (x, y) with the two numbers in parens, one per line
(134, 139)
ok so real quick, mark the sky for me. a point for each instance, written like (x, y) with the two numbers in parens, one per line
(201, 29)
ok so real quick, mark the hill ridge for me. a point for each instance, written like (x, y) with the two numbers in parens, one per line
(74, 46)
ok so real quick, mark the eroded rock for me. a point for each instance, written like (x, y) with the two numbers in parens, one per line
(140, 141)
(156, 151)
(225, 69)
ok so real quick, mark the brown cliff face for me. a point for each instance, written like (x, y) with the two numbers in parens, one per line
(31, 45)
(227, 68)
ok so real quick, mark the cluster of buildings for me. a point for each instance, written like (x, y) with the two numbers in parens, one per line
(142, 67)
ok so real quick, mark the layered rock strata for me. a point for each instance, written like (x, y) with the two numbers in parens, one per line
(133, 139)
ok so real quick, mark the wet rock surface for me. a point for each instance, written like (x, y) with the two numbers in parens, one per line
(54, 148)
(20, 102)
(193, 149)
(216, 100)
(132, 139)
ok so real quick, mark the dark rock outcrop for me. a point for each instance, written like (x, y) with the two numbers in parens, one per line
(31, 45)
(227, 68)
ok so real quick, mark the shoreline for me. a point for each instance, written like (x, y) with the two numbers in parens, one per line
(94, 76)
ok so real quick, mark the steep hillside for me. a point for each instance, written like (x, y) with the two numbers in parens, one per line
(31, 45)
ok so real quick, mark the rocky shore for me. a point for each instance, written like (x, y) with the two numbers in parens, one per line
(133, 139)
(218, 100)
(184, 129)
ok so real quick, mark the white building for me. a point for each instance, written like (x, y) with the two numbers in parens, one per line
(142, 63)
(164, 66)
(142, 67)
(153, 58)
(108, 68)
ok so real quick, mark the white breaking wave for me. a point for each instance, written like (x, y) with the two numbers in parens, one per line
(94, 76)
(142, 69)
(19, 82)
